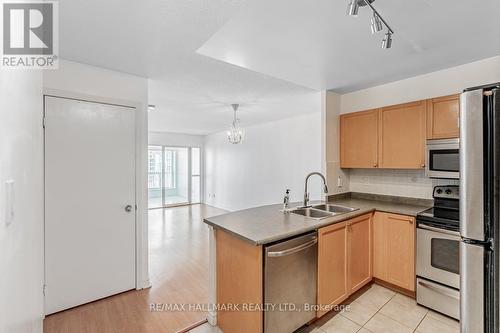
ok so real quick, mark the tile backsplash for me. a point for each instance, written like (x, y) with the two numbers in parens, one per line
(404, 183)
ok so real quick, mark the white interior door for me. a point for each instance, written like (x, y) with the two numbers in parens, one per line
(89, 182)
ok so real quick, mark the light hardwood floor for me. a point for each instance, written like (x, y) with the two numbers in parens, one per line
(178, 264)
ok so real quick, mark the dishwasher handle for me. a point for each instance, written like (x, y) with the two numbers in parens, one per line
(295, 249)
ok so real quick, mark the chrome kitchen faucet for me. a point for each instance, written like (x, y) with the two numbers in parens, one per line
(306, 194)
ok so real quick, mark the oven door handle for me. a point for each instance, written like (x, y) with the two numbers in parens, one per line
(438, 290)
(443, 231)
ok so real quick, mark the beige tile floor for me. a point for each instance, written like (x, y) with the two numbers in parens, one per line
(376, 310)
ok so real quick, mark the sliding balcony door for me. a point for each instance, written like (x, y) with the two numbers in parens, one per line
(172, 171)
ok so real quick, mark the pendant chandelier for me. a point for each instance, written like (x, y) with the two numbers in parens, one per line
(235, 134)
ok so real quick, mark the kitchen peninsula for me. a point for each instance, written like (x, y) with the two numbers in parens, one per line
(373, 242)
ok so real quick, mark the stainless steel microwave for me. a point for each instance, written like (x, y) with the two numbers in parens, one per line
(443, 159)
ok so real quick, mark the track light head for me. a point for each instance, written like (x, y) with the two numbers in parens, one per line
(376, 23)
(387, 41)
(353, 8)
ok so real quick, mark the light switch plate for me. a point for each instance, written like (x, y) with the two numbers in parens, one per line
(9, 202)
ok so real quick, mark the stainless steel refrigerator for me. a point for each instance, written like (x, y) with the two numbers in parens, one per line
(479, 209)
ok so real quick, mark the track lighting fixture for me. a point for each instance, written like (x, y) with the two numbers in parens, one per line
(377, 22)
(387, 41)
(352, 8)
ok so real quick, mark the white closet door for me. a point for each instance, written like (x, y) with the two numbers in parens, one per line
(89, 202)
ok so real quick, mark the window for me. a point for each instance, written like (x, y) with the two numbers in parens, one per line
(170, 171)
(195, 175)
(174, 176)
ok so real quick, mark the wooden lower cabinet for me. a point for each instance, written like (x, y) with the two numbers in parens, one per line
(344, 260)
(239, 270)
(359, 252)
(332, 265)
(394, 249)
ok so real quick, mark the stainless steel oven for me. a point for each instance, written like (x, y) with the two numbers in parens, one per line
(438, 253)
(438, 278)
(443, 159)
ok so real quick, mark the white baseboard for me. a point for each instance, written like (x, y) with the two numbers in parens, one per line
(212, 318)
(144, 285)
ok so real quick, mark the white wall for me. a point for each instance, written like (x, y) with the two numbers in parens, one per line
(412, 183)
(273, 157)
(21, 160)
(404, 183)
(338, 179)
(93, 83)
(444, 82)
(175, 139)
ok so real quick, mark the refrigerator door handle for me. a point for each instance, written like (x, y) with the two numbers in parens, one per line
(471, 165)
(471, 288)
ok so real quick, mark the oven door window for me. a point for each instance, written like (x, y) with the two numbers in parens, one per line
(445, 254)
(444, 160)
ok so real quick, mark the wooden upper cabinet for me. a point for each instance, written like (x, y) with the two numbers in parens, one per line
(394, 249)
(443, 117)
(359, 252)
(358, 139)
(402, 136)
(332, 265)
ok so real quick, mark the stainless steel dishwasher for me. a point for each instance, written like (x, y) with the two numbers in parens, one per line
(289, 283)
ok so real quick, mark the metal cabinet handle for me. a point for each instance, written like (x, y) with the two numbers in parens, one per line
(293, 249)
(128, 208)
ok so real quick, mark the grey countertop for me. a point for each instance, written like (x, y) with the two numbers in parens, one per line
(266, 224)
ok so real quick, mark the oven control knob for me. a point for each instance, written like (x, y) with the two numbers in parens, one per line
(439, 191)
(448, 191)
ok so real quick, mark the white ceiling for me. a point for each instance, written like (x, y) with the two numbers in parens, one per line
(158, 40)
(315, 44)
(270, 56)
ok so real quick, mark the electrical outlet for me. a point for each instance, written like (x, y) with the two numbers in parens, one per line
(339, 181)
(9, 202)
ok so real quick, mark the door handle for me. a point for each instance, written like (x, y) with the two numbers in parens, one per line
(293, 249)
(443, 231)
(438, 290)
(128, 208)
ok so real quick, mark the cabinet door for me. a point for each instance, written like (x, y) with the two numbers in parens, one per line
(442, 117)
(332, 265)
(379, 252)
(402, 136)
(358, 139)
(400, 250)
(359, 253)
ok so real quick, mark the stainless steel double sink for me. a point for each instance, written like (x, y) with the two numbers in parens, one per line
(322, 211)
